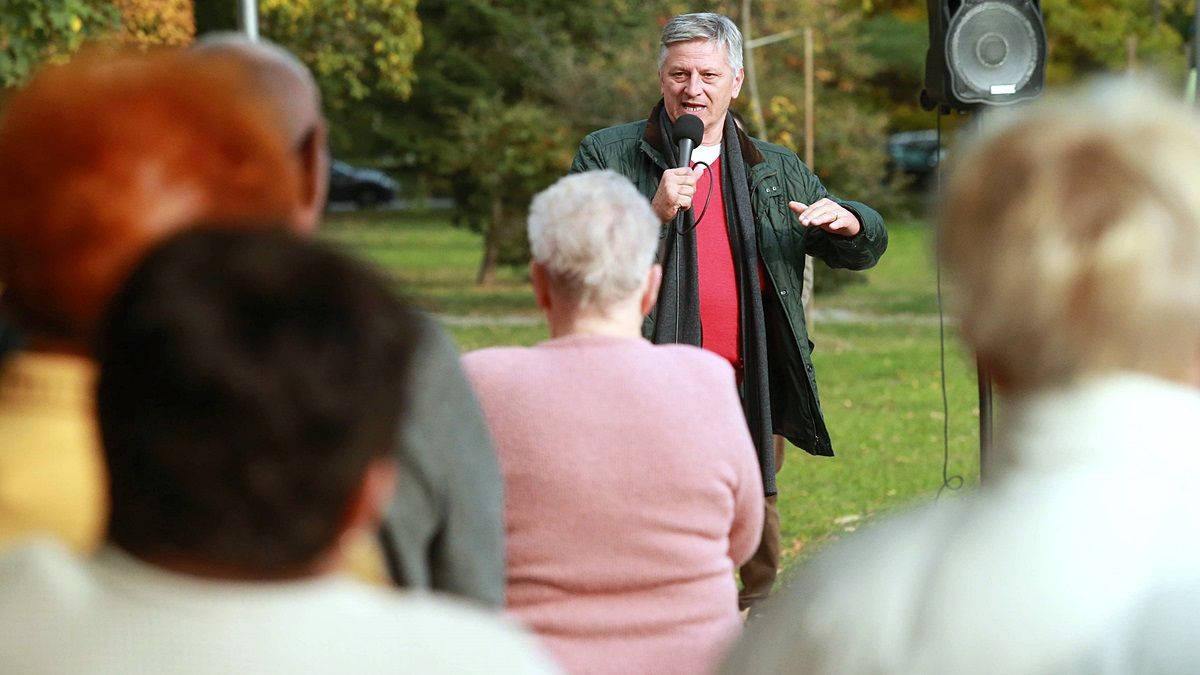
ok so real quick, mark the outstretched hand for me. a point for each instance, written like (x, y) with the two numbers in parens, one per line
(827, 215)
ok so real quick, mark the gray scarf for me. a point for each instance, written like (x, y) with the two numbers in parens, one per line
(678, 311)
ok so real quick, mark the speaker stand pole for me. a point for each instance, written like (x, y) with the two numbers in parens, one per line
(985, 419)
(1189, 90)
(983, 376)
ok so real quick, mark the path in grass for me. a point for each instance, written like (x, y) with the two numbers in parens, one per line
(819, 315)
(877, 359)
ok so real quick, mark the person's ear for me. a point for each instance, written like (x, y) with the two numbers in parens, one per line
(541, 285)
(650, 292)
(371, 497)
(312, 154)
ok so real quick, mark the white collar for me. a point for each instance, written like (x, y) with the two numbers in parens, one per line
(1110, 419)
(706, 153)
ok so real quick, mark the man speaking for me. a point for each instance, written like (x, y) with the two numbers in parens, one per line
(738, 217)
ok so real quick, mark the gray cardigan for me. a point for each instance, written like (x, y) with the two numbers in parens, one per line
(444, 529)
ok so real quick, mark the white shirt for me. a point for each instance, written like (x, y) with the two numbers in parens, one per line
(1096, 504)
(115, 614)
(709, 154)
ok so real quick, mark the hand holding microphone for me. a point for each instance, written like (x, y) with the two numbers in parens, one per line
(678, 185)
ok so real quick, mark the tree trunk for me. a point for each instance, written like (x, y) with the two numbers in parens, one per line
(212, 16)
(491, 245)
(756, 108)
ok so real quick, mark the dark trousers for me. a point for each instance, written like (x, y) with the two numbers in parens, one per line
(758, 574)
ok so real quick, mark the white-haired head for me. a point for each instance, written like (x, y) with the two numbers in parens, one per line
(1072, 229)
(595, 235)
(715, 28)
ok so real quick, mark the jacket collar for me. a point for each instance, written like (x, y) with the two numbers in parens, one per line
(654, 138)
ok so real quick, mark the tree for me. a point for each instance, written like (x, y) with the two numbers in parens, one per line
(152, 23)
(36, 31)
(505, 90)
(851, 120)
(33, 32)
(1089, 36)
(510, 152)
(360, 51)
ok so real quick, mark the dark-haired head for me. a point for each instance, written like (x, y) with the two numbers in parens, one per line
(249, 384)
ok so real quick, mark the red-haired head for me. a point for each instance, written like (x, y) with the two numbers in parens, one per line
(102, 157)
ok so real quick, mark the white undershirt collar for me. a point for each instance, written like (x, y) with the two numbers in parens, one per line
(706, 153)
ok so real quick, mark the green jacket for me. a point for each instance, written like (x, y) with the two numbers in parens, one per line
(776, 176)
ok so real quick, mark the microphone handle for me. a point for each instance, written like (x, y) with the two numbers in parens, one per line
(684, 159)
(685, 153)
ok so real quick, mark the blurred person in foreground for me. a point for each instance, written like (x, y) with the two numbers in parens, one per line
(1072, 231)
(238, 480)
(444, 528)
(99, 159)
(733, 266)
(622, 532)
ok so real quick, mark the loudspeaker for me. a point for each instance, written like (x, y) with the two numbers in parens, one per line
(989, 52)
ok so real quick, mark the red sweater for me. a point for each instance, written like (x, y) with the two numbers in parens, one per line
(719, 310)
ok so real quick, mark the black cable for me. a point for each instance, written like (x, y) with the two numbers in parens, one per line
(679, 231)
(956, 481)
(707, 198)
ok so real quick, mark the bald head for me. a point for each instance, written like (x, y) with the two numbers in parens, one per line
(288, 86)
(277, 74)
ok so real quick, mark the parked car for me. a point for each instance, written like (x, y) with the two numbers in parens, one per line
(915, 153)
(365, 187)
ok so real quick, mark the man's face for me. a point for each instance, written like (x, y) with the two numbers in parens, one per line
(696, 79)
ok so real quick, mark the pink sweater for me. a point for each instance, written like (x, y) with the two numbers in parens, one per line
(632, 492)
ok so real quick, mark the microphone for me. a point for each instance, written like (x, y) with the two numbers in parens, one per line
(687, 132)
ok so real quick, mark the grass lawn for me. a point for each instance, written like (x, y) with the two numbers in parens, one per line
(877, 361)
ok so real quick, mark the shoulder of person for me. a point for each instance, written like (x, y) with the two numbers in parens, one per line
(774, 153)
(44, 590)
(630, 132)
(40, 562)
(837, 611)
(696, 359)
(494, 359)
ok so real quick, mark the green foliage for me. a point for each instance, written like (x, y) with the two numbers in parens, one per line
(33, 32)
(593, 62)
(152, 23)
(850, 123)
(1090, 36)
(850, 131)
(37, 31)
(898, 42)
(360, 51)
(504, 154)
(505, 90)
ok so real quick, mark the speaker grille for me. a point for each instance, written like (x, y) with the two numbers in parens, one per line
(994, 49)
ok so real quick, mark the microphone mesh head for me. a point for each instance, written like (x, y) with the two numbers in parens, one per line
(688, 126)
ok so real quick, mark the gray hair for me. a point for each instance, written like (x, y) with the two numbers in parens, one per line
(595, 235)
(716, 28)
